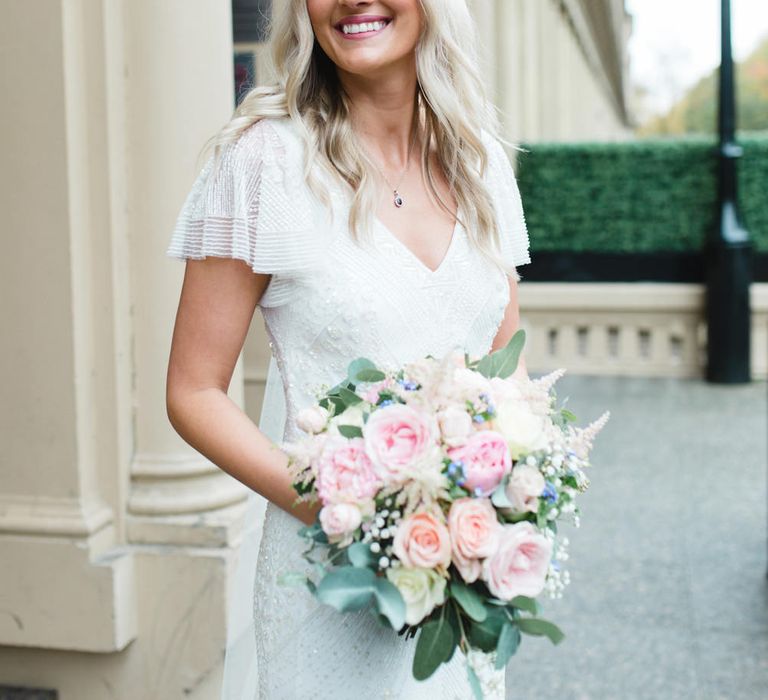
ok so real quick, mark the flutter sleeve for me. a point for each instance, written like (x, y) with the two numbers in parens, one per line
(513, 230)
(255, 207)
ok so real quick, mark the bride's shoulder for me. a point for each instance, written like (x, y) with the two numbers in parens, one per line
(272, 140)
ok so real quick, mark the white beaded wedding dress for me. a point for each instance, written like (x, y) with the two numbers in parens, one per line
(329, 301)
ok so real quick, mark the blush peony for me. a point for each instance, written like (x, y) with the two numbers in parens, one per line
(486, 461)
(344, 472)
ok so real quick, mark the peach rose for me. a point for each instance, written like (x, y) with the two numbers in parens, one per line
(339, 521)
(486, 461)
(344, 472)
(474, 531)
(520, 563)
(422, 541)
(400, 439)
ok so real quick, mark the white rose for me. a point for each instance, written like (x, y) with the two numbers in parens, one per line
(455, 423)
(523, 430)
(524, 488)
(312, 419)
(339, 521)
(352, 415)
(422, 590)
(506, 388)
(467, 385)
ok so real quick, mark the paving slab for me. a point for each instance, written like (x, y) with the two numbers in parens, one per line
(668, 596)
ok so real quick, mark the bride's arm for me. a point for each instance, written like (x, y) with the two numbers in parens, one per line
(509, 327)
(218, 299)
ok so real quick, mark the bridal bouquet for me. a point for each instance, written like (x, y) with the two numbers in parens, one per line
(441, 485)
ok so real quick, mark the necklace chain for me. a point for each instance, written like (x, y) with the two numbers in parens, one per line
(397, 197)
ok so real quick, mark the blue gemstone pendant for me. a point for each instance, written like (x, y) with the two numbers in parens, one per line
(399, 201)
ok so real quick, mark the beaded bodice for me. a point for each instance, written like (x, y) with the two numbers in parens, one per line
(331, 299)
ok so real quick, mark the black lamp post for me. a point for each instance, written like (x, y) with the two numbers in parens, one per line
(728, 250)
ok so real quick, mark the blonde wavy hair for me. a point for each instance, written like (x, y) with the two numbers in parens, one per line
(452, 114)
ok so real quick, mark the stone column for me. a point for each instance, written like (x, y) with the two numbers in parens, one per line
(116, 538)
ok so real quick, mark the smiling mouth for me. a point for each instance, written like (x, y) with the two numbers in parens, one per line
(362, 28)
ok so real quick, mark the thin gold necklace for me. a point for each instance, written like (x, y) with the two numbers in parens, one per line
(397, 198)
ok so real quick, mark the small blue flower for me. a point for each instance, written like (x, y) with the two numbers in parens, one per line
(479, 418)
(460, 482)
(478, 492)
(385, 402)
(549, 493)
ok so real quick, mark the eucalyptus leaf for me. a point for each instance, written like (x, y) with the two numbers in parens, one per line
(541, 628)
(474, 682)
(370, 375)
(469, 600)
(485, 635)
(350, 431)
(434, 645)
(350, 398)
(347, 588)
(354, 367)
(505, 360)
(499, 497)
(360, 554)
(523, 602)
(390, 602)
(509, 640)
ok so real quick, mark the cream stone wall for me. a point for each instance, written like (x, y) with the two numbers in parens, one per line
(118, 542)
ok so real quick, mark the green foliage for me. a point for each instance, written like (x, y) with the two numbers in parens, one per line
(485, 635)
(644, 196)
(348, 588)
(503, 362)
(350, 431)
(469, 600)
(509, 641)
(542, 628)
(434, 646)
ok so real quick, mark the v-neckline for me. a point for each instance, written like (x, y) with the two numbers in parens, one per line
(416, 258)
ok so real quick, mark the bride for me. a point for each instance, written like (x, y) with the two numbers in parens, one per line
(365, 205)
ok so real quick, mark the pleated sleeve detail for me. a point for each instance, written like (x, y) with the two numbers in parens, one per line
(513, 230)
(255, 207)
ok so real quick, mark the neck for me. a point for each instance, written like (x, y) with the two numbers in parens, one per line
(383, 111)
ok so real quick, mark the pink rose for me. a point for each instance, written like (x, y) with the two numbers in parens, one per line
(422, 541)
(524, 488)
(339, 521)
(474, 531)
(344, 472)
(399, 439)
(486, 461)
(519, 566)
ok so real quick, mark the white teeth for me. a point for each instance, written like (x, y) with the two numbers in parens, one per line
(364, 27)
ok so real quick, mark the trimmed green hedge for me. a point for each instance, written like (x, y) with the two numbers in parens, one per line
(638, 196)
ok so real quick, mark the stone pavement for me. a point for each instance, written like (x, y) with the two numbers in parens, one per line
(668, 596)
